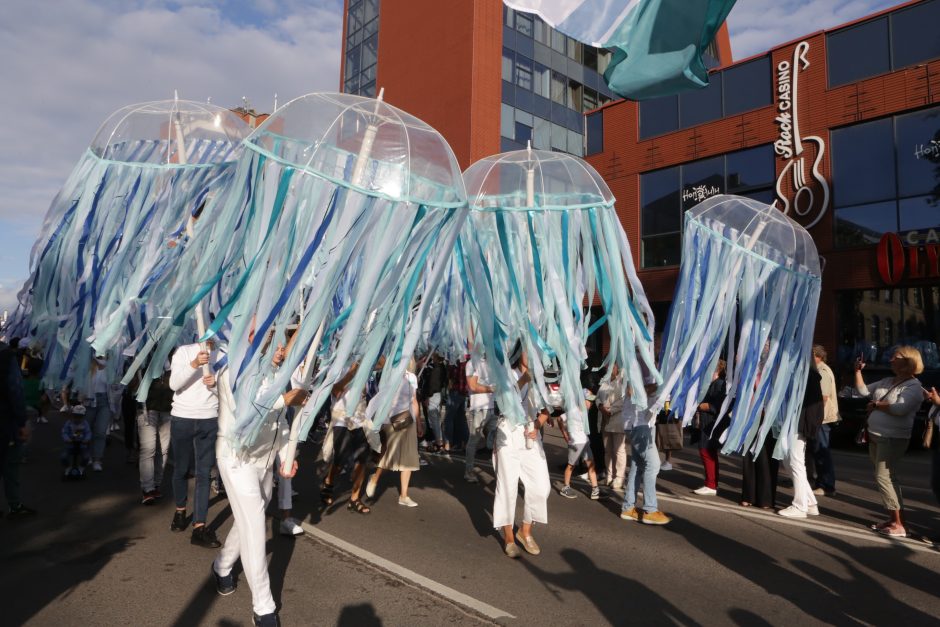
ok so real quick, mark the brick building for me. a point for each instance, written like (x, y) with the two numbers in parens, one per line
(842, 129)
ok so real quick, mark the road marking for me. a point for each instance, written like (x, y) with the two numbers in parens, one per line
(814, 523)
(438, 588)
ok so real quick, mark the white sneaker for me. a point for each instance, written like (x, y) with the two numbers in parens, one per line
(370, 487)
(617, 485)
(407, 502)
(469, 477)
(792, 512)
(813, 510)
(290, 527)
(96, 466)
(705, 491)
(666, 466)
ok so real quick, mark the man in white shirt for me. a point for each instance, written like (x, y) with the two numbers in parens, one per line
(193, 430)
(481, 415)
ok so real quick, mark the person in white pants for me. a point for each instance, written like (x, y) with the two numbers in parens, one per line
(610, 400)
(811, 417)
(248, 482)
(519, 455)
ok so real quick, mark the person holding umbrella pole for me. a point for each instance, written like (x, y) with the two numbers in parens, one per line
(247, 474)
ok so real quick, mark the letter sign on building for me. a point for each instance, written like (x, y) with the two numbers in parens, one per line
(799, 194)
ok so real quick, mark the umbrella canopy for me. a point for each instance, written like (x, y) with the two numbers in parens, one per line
(542, 244)
(749, 288)
(328, 225)
(115, 225)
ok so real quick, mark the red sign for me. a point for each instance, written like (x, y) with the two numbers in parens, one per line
(917, 261)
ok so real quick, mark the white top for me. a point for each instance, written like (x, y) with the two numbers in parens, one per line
(352, 418)
(272, 436)
(634, 416)
(482, 373)
(828, 384)
(191, 398)
(611, 397)
(406, 393)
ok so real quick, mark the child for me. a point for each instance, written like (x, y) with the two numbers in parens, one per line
(77, 436)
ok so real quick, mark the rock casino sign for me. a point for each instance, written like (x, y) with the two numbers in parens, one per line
(801, 186)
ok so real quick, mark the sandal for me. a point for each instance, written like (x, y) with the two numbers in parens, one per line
(894, 531)
(326, 493)
(358, 506)
(880, 526)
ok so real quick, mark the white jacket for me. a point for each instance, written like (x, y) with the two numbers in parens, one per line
(272, 436)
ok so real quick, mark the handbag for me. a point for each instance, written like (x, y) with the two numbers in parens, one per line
(669, 435)
(401, 421)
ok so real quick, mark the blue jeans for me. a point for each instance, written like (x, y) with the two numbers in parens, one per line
(822, 456)
(454, 424)
(193, 440)
(644, 466)
(99, 417)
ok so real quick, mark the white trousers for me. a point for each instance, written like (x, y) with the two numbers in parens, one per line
(803, 497)
(248, 489)
(515, 462)
(151, 427)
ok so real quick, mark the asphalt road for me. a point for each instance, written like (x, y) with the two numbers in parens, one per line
(94, 556)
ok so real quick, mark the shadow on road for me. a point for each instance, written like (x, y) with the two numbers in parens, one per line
(361, 615)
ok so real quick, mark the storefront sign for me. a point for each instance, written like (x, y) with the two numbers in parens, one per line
(698, 193)
(804, 174)
(917, 261)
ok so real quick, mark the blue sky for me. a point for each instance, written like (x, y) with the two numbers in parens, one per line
(68, 65)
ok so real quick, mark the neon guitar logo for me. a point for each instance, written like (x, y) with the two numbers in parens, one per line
(790, 145)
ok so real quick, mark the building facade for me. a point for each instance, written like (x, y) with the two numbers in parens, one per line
(841, 129)
(488, 78)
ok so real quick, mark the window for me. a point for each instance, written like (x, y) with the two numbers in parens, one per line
(575, 50)
(523, 72)
(523, 133)
(508, 62)
(559, 42)
(575, 99)
(914, 36)
(886, 295)
(864, 224)
(863, 163)
(659, 116)
(603, 60)
(590, 99)
(697, 106)
(362, 47)
(575, 144)
(858, 52)
(541, 81)
(595, 133)
(659, 202)
(702, 179)
(889, 332)
(525, 23)
(542, 136)
(749, 169)
(747, 86)
(918, 151)
(875, 328)
(559, 88)
(559, 138)
(542, 32)
(590, 57)
(507, 121)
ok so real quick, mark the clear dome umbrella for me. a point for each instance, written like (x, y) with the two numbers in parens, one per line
(117, 223)
(329, 223)
(748, 289)
(542, 244)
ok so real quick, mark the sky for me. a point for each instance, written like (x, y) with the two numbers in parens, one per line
(66, 66)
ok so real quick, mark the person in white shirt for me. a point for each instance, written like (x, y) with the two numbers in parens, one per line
(610, 398)
(481, 415)
(644, 464)
(350, 444)
(246, 472)
(518, 455)
(194, 427)
(400, 438)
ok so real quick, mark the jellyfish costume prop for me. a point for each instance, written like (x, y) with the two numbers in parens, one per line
(542, 244)
(748, 289)
(115, 228)
(335, 209)
(657, 44)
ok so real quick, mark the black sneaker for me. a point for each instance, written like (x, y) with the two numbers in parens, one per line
(266, 620)
(224, 585)
(179, 521)
(148, 498)
(204, 537)
(20, 511)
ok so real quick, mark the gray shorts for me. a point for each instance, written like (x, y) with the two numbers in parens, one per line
(579, 451)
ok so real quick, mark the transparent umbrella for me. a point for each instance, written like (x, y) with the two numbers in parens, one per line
(748, 289)
(116, 224)
(542, 245)
(328, 225)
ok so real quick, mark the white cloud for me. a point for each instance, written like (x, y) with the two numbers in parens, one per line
(68, 65)
(758, 25)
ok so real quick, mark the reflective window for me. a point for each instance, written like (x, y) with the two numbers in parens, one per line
(575, 95)
(525, 24)
(523, 133)
(918, 151)
(559, 88)
(858, 52)
(914, 34)
(918, 213)
(542, 135)
(662, 250)
(863, 163)
(542, 32)
(747, 86)
(508, 57)
(747, 169)
(595, 133)
(659, 202)
(659, 116)
(559, 42)
(541, 81)
(506, 121)
(559, 138)
(523, 72)
(362, 47)
(865, 224)
(697, 106)
(702, 179)
(576, 143)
